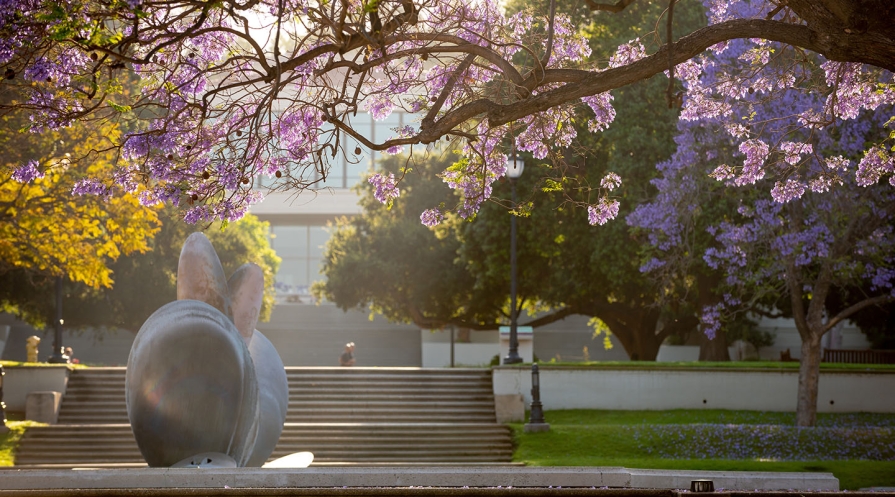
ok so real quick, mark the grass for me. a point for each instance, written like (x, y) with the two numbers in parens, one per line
(713, 365)
(7, 364)
(859, 449)
(10, 440)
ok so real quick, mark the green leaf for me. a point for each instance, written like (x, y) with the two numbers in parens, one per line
(120, 108)
(551, 185)
(371, 6)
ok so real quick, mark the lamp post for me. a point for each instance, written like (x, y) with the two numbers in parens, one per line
(514, 171)
(536, 421)
(58, 357)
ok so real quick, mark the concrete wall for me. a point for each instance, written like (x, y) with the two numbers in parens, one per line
(315, 335)
(20, 380)
(658, 389)
(438, 355)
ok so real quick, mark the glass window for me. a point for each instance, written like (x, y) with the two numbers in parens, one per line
(315, 266)
(355, 172)
(347, 169)
(318, 238)
(301, 251)
(383, 130)
(290, 241)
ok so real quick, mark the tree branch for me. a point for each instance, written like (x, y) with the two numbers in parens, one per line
(848, 311)
(608, 7)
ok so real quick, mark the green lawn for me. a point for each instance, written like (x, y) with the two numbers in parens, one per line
(10, 439)
(7, 364)
(859, 449)
(794, 365)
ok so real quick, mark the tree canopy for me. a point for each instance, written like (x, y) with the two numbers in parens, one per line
(145, 282)
(233, 90)
(819, 233)
(46, 232)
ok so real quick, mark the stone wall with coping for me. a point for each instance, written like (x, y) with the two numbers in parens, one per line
(696, 388)
(21, 380)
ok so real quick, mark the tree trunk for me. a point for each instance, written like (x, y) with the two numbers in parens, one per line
(713, 349)
(809, 377)
(636, 330)
(647, 348)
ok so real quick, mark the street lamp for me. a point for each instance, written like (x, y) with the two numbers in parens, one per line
(514, 171)
(57, 356)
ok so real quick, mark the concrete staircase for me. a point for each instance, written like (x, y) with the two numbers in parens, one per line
(342, 415)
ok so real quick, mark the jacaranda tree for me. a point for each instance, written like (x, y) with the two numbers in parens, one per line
(819, 230)
(232, 90)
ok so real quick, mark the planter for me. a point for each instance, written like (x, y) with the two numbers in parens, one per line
(20, 380)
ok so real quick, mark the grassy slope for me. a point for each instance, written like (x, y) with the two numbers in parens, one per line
(604, 438)
(9, 440)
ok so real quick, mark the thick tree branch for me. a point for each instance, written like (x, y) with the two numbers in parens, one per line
(852, 47)
(608, 7)
(849, 311)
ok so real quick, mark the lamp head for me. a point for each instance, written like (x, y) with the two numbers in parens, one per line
(515, 167)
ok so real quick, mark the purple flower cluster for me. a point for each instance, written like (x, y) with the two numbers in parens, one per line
(792, 133)
(788, 190)
(91, 186)
(627, 53)
(877, 162)
(386, 188)
(27, 173)
(431, 217)
(601, 213)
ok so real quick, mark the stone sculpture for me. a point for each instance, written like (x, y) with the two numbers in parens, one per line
(31, 347)
(200, 379)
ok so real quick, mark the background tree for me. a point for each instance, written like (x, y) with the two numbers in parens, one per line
(575, 268)
(47, 232)
(805, 240)
(147, 281)
(876, 321)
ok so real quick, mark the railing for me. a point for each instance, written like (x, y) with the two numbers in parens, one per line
(860, 356)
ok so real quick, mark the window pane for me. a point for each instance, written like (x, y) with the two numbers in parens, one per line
(385, 129)
(316, 266)
(357, 166)
(290, 241)
(293, 272)
(319, 236)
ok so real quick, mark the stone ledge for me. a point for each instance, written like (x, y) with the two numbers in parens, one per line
(359, 477)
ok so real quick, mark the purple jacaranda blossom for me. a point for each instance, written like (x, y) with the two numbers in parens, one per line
(386, 188)
(784, 191)
(91, 186)
(431, 217)
(27, 173)
(604, 211)
(627, 53)
(611, 181)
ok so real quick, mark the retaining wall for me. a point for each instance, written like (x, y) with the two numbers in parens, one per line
(709, 388)
(20, 380)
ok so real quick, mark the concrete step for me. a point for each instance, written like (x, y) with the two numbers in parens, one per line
(326, 403)
(87, 444)
(343, 415)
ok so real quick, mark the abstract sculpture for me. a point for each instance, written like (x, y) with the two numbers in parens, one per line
(201, 381)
